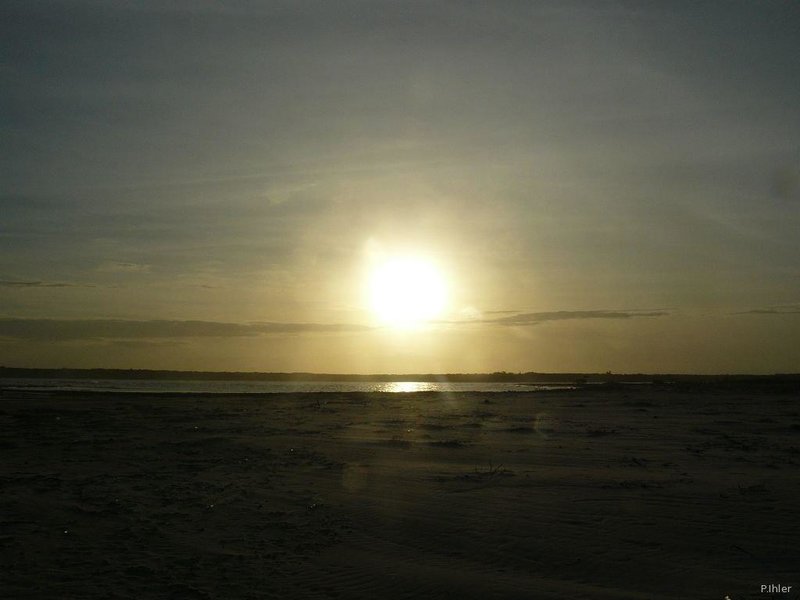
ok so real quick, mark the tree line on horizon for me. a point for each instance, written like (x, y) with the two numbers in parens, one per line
(497, 376)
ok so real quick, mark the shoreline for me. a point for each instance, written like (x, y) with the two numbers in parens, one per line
(769, 387)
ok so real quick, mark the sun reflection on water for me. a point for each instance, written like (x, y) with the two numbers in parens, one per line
(407, 386)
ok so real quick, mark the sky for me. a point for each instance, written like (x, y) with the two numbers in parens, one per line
(206, 185)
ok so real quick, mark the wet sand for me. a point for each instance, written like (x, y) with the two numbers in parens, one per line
(639, 492)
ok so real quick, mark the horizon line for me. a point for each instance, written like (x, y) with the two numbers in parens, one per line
(4, 372)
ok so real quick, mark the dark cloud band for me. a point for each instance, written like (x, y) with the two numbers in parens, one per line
(39, 284)
(65, 330)
(535, 318)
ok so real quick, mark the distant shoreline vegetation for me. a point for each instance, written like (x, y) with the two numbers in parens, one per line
(499, 376)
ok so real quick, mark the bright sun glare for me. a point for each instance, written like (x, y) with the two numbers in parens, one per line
(406, 292)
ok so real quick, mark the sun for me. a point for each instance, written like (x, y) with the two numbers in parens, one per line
(406, 292)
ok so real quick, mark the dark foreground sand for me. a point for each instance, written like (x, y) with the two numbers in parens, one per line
(611, 494)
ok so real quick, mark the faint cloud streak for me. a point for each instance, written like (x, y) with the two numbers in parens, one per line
(123, 267)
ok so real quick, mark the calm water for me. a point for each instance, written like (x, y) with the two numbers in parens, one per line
(261, 387)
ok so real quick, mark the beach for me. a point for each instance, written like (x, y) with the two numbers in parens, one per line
(621, 492)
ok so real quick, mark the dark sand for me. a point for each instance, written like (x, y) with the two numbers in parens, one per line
(639, 492)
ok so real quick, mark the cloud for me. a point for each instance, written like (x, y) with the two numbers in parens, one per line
(516, 318)
(308, 327)
(92, 329)
(780, 310)
(40, 284)
(534, 318)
